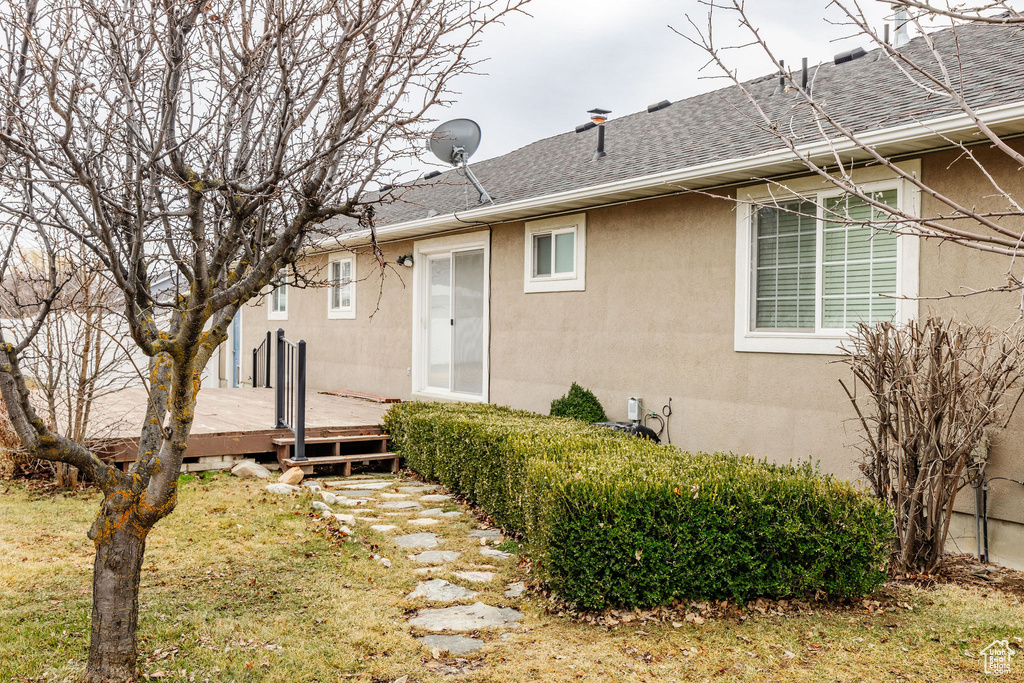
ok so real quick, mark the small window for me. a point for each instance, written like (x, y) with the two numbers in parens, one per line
(555, 254)
(278, 309)
(341, 294)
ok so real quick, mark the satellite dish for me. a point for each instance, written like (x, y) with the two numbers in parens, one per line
(454, 139)
(453, 142)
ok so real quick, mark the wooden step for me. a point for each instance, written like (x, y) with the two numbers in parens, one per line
(346, 460)
(340, 438)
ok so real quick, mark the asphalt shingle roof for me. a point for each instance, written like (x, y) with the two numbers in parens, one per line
(865, 94)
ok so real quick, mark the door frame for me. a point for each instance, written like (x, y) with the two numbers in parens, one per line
(235, 371)
(422, 250)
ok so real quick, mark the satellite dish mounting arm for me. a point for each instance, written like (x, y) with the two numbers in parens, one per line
(459, 156)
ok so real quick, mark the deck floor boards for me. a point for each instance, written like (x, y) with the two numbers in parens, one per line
(228, 421)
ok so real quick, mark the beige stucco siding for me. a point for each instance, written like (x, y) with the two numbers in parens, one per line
(656, 321)
(370, 353)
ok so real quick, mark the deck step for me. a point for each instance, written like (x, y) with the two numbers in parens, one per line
(346, 460)
(340, 438)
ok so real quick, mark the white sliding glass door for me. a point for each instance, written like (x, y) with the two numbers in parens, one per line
(439, 323)
(468, 321)
(451, 309)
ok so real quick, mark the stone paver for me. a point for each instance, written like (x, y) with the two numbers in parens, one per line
(281, 489)
(476, 616)
(489, 534)
(351, 502)
(435, 498)
(456, 645)
(424, 540)
(436, 556)
(406, 505)
(515, 590)
(439, 590)
(401, 505)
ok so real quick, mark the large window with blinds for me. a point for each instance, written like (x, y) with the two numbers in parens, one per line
(825, 265)
(819, 265)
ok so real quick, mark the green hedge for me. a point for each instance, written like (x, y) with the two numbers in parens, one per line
(615, 520)
(579, 403)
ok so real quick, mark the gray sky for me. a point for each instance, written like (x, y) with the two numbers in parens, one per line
(544, 72)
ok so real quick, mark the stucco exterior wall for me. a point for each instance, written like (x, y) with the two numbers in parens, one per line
(370, 353)
(656, 321)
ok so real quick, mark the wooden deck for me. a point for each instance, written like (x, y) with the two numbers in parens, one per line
(229, 423)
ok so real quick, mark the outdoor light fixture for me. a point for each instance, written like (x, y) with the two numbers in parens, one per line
(404, 260)
(599, 116)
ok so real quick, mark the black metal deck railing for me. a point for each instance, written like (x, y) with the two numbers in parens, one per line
(291, 390)
(261, 364)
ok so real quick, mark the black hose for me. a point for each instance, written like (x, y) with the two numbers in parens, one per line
(660, 420)
(667, 412)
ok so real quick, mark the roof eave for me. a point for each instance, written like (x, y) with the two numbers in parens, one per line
(907, 138)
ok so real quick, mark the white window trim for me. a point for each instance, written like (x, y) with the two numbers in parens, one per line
(278, 315)
(422, 250)
(342, 312)
(821, 341)
(574, 282)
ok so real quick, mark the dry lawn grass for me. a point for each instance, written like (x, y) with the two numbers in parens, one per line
(242, 586)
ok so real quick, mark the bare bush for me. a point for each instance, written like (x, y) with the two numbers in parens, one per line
(934, 390)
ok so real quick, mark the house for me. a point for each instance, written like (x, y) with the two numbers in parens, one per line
(643, 274)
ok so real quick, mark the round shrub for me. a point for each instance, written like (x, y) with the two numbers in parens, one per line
(580, 404)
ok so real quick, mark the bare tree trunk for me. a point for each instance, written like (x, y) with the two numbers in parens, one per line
(113, 647)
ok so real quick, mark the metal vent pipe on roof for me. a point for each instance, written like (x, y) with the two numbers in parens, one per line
(597, 118)
(803, 77)
(781, 88)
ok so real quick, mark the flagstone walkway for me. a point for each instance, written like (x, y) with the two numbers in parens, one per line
(455, 561)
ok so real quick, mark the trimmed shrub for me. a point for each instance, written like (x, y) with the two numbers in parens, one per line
(615, 520)
(579, 403)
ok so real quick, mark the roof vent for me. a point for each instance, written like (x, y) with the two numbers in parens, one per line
(658, 106)
(597, 118)
(781, 87)
(431, 175)
(849, 55)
